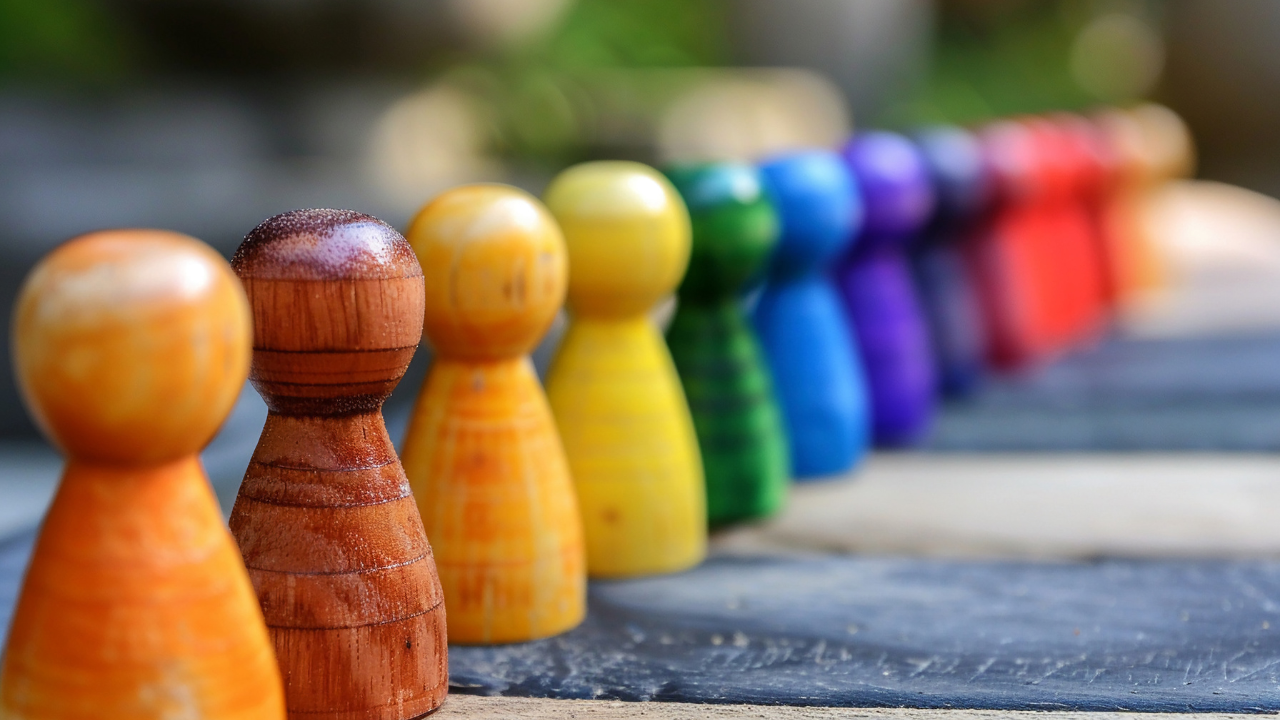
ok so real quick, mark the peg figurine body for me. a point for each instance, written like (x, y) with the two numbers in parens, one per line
(739, 425)
(804, 332)
(325, 518)
(130, 347)
(612, 385)
(482, 452)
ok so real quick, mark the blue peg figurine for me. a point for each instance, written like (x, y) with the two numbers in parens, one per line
(805, 335)
(875, 281)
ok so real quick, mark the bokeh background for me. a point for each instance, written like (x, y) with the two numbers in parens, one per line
(206, 116)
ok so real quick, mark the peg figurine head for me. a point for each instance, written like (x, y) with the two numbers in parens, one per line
(131, 346)
(961, 178)
(495, 267)
(735, 227)
(337, 301)
(817, 201)
(896, 189)
(627, 232)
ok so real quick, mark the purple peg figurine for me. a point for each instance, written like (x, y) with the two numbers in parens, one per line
(875, 281)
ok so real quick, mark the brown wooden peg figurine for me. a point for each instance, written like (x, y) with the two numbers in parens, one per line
(325, 518)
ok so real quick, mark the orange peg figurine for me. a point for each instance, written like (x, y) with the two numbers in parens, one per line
(325, 518)
(130, 347)
(482, 452)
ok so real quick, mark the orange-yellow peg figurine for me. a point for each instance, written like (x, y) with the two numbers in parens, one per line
(130, 348)
(612, 385)
(482, 453)
(1153, 146)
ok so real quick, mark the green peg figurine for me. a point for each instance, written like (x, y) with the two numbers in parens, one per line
(737, 419)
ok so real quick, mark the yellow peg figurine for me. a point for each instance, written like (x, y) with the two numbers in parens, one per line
(482, 453)
(613, 387)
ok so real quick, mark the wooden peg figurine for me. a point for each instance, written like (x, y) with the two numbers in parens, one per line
(962, 185)
(612, 386)
(807, 341)
(130, 348)
(879, 293)
(739, 424)
(325, 518)
(482, 452)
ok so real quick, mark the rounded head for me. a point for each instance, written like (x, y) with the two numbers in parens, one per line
(735, 227)
(1093, 166)
(1151, 143)
(627, 232)
(1010, 150)
(131, 346)
(337, 302)
(961, 178)
(818, 203)
(897, 191)
(495, 268)
(1055, 161)
(1169, 149)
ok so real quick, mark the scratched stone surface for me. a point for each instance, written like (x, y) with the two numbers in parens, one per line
(839, 631)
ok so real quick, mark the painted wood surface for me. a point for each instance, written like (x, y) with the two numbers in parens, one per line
(482, 452)
(827, 631)
(325, 518)
(740, 432)
(1068, 509)
(487, 708)
(130, 348)
(613, 387)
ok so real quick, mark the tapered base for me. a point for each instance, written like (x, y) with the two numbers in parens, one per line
(739, 426)
(631, 447)
(337, 554)
(492, 484)
(136, 607)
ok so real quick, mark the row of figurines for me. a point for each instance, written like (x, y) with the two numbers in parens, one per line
(130, 348)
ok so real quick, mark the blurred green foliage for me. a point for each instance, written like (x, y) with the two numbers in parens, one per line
(532, 89)
(637, 33)
(996, 58)
(71, 40)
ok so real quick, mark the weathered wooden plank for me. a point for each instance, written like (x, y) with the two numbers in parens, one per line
(475, 707)
(1033, 506)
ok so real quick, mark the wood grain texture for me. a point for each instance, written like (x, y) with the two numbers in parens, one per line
(482, 452)
(613, 387)
(131, 347)
(487, 708)
(325, 519)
